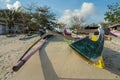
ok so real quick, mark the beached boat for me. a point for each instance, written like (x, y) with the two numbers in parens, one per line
(90, 48)
(29, 37)
(67, 31)
(115, 30)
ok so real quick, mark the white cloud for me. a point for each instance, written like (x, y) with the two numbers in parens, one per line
(17, 5)
(9, 6)
(66, 16)
(14, 6)
(86, 10)
(6, 0)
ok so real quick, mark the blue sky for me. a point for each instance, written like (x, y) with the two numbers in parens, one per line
(59, 6)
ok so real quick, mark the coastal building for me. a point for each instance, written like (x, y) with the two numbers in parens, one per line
(18, 28)
(3, 28)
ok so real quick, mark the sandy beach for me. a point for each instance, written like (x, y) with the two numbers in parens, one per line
(55, 61)
(11, 49)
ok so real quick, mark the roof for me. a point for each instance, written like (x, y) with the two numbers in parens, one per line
(115, 25)
(87, 31)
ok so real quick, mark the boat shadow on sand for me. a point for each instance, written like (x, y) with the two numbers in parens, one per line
(47, 67)
(112, 60)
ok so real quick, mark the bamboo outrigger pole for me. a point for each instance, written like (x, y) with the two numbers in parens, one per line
(28, 54)
(21, 62)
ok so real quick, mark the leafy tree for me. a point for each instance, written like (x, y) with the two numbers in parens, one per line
(113, 13)
(93, 25)
(30, 17)
(61, 25)
(105, 26)
(74, 26)
(44, 17)
(10, 17)
(77, 22)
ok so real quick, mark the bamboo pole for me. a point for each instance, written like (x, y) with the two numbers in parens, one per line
(22, 61)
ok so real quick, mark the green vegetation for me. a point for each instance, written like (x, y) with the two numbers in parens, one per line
(32, 17)
(10, 17)
(44, 17)
(113, 13)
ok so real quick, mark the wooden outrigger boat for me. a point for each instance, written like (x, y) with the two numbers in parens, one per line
(28, 37)
(89, 48)
(85, 46)
(115, 30)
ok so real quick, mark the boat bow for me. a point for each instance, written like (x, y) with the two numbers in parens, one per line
(91, 50)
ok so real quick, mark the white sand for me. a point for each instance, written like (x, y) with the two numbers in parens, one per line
(57, 61)
(11, 49)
